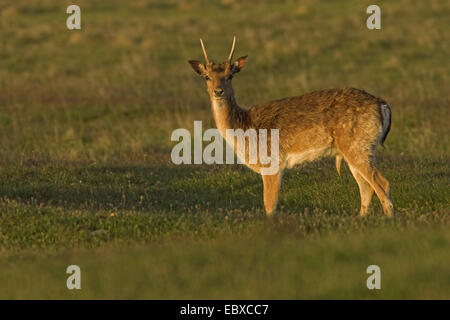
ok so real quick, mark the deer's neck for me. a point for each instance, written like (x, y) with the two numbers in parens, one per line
(228, 115)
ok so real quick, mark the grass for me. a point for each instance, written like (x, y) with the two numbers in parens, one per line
(274, 266)
(85, 172)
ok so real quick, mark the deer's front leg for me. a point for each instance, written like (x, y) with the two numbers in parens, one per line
(271, 189)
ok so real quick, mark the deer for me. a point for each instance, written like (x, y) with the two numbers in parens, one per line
(345, 123)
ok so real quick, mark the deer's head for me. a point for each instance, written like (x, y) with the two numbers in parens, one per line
(218, 76)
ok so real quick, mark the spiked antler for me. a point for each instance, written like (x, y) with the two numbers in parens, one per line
(232, 50)
(204, 51)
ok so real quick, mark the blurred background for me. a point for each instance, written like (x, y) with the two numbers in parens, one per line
(115, 90)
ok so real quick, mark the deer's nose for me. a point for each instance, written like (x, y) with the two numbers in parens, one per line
(218, 91)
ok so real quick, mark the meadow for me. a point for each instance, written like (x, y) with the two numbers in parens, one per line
(86, 118)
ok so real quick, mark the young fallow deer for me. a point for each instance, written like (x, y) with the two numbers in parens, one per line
(347, 123)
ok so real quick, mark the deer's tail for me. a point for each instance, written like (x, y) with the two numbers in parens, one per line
(385, 111)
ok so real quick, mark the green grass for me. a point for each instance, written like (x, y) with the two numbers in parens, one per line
(85, 173)
(269, 266)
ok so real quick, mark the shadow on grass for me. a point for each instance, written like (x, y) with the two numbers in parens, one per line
(137, 188)
(192, 188)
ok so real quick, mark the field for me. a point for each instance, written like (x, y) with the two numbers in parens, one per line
(86, 118)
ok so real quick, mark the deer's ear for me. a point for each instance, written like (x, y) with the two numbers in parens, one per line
(198, 67)
(238, 64)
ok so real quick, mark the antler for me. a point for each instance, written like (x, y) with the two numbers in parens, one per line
(232, 49)
(204, 51)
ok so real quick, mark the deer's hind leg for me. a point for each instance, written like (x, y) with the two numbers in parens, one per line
(365, 190)
(365, 167)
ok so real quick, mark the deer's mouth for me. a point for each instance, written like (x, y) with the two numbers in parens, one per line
(219, 98)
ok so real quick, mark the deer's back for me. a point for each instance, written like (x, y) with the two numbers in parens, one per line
(318, 118)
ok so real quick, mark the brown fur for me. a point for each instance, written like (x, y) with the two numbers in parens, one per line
(347, 123)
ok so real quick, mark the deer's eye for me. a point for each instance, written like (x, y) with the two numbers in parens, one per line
(207, 78)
